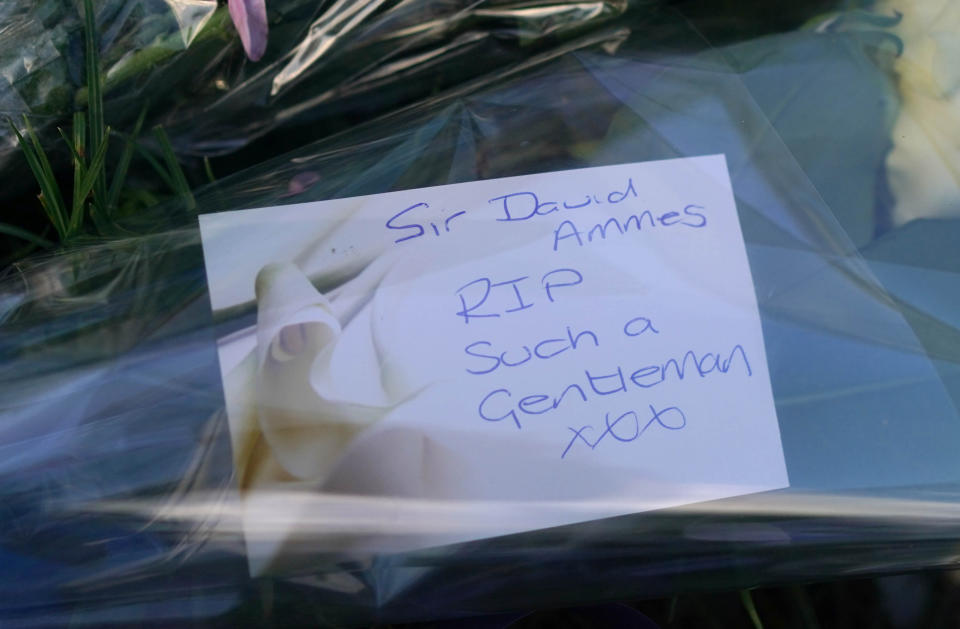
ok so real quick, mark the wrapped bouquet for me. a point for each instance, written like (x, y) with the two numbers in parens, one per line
(619, 314)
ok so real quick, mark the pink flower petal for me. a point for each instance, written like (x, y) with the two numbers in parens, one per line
(300, 183)
(250, 18)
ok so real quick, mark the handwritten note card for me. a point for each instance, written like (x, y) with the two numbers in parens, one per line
(587, 338)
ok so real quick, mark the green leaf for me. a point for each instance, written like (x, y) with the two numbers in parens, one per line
(77, 148)
(673, 608)
(23, 234)
(181, 187)
(747, 601)
(100, 221)
(74, 152)
(94, 89)
(80, 142)
(49, 178)
(50, 198)
(208, 168)
(123, 166)
(79, 169)
(157, 166)
(87, 184)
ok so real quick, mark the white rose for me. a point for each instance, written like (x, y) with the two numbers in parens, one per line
(922, 166)
(311, 382)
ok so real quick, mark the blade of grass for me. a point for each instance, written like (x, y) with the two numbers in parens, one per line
(50, 179)
(22, 252)
(157, 166)
(87, 184)
(806, 609)
(79, 170)
(84, 177)
(751, 609)
(50, 198)
(673, 608)
(23, 234)
(103, 226)
(181, 187)
(208, 168)
(73, 149)
(78, 151)
(80, 143)
(94, 90)
(123, 166)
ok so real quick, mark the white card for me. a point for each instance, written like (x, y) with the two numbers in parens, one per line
(550, 348)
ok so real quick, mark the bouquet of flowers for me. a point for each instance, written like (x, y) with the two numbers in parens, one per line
(184, 435)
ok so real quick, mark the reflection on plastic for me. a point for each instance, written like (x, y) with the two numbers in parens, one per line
(117, 491)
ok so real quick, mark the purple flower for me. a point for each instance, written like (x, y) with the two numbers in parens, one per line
(250, 18)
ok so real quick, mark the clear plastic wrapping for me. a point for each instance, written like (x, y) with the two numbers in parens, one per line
(41, 54)
(326, 66)
(121, 498)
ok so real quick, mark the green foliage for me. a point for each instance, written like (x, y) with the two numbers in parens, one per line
(91, 200)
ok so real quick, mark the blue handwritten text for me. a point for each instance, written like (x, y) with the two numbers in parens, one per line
(476, 294)
(627, 427)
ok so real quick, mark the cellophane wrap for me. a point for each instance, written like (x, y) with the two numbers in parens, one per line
(327, 66)
(120, 498)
